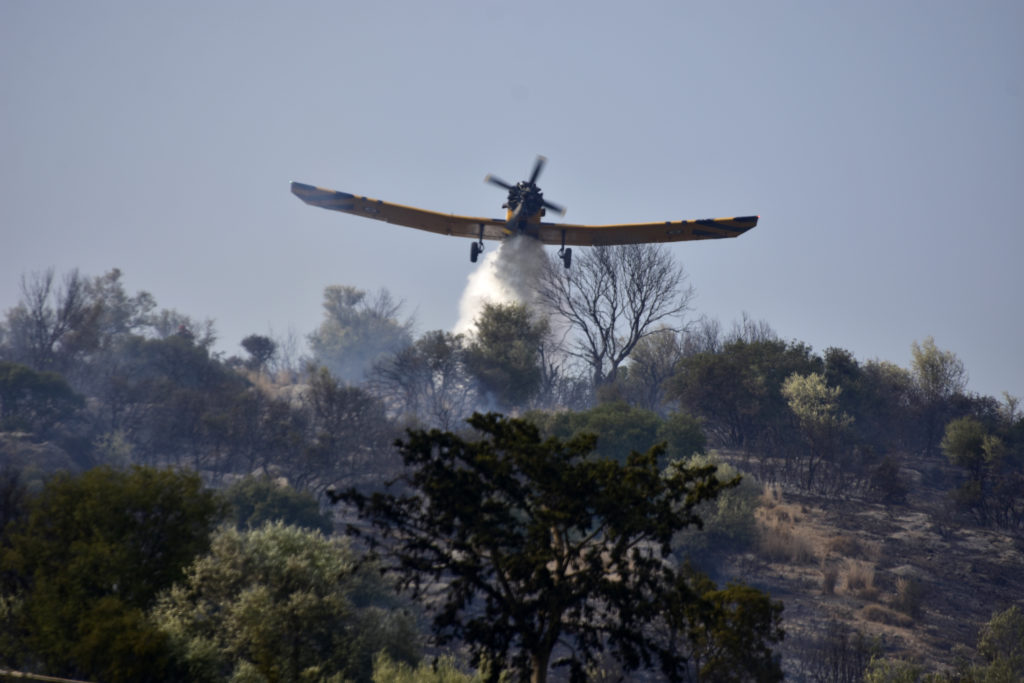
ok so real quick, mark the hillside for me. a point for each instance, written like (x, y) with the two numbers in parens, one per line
(884, 506)
(916, 584)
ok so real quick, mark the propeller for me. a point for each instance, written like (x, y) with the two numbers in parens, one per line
(493, 180)
(560, 210)
(538, 166)
(526, 192)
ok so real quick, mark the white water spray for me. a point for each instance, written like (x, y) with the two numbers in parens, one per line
(507, 275)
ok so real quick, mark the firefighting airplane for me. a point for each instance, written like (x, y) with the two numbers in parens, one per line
(526, 206)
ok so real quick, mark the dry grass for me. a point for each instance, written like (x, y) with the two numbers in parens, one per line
(846, 546)
(782, 539)
(771, 496)
(786, 545)
(875, 546)
(884, 615)
(853, 547)
(860, 579)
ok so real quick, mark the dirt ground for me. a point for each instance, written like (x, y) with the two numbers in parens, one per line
(913, 582)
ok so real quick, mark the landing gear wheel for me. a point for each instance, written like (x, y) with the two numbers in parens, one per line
(566, 255)
(474, 251)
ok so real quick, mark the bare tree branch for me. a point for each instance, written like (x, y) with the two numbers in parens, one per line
(612, 298)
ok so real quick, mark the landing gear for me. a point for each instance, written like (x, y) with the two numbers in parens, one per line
(565, 254)
(477, 247)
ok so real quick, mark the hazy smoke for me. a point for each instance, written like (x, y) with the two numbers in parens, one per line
(508, 274)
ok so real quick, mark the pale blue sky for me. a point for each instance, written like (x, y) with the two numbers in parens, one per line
(882, 143)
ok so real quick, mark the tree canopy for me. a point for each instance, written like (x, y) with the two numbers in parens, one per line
(505, 353)
(93, 551)
(357, 330)
(427, 380)
(257, 500)
(538, 554)
(621, 428)
(281, 603)
(612, 298)
(34, 401)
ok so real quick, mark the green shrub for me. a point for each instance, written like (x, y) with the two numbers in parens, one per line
(729, 524)
(892, 671)
(443, 670)
(283, 603)
(256, 500)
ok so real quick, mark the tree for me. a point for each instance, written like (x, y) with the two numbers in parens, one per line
(822, 422)
(704, 335)
(68, 326)
(651, 364)
(730, 630)
(349, 434)
(174, 399)
(738, 390)
(621, 429)
(169, 323)
(504, 353)
(612, 298)
(882, 398)
(994, 490)
(1001, 644)
(427, 381)
(37, 402)
(280, 603)
(257, 500)
(968, 444)
(258, 431)
(939, 376)
(751, 331)
(53, 324)
(122, 314)
(260, 349)
(729, 525)
(357, 331)
(531, 549)
(92, 553)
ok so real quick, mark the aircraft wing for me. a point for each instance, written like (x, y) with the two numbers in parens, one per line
(636, 233)
(431, 221)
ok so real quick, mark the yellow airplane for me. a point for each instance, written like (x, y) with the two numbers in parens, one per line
(525, 208)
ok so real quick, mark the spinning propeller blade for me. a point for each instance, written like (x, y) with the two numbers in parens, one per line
(560, 210)
(497, 181)
(527, 191)
(537, 168)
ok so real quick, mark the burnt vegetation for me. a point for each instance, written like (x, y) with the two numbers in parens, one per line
(596, 486)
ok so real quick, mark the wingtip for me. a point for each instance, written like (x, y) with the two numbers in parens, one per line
(304, 191)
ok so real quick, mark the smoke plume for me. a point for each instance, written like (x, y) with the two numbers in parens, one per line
(508, 274)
